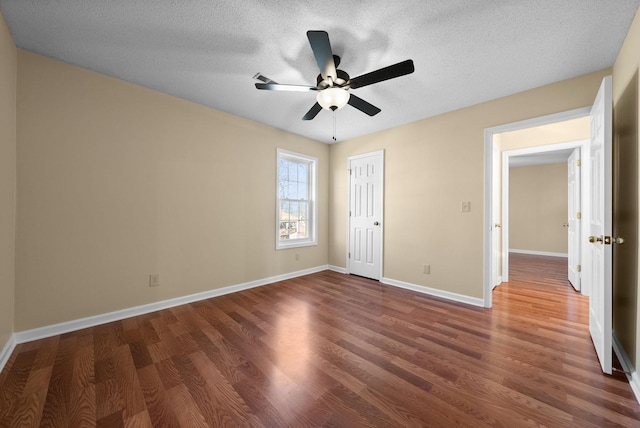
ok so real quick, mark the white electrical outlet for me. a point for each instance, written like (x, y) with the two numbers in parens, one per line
(154, 280)
(426, 269)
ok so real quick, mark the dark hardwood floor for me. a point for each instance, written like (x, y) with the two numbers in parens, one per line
(330, 350)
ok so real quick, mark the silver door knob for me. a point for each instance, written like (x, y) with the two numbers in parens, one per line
(375, 223)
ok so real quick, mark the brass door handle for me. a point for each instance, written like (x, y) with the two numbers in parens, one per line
(618, 241)
(594, 239)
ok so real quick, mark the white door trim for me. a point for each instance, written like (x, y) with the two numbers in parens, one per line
(496, 277)
(349, 160)
(488, 184)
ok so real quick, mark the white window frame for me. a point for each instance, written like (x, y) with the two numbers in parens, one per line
(312, 239)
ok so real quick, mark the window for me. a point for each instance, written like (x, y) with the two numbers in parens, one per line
(296, 208)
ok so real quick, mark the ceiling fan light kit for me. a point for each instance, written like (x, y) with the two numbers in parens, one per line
(333, 84)
(333, 98)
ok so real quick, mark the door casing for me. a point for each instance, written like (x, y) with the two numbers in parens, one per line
(488, 225)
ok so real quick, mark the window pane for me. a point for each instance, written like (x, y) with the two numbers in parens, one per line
(284, 170)
(293, 171)
(303, 173)
(292, 190)
(304, 211)
(283, 178)
(284, 221)
(303, 191)
(303, 179)
(284, 211)
(302, 229)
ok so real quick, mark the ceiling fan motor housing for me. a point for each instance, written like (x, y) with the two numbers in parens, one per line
(341, 79)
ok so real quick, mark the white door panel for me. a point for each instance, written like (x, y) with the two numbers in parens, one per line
(573, 168)
(599, 226)
(365, 215)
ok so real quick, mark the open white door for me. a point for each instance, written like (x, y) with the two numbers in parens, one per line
(573, 168)
(599, 226)
(365, 214)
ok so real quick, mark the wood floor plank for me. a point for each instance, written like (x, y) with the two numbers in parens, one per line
(31, 402)
(160, 410)
(231, 409)
(57, 404)
(82, 412)
(186, 409)
(330, 350)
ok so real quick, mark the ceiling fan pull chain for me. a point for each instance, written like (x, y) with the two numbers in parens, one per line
(334, 126)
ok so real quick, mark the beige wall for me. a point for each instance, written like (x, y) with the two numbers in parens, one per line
(8, 67)
(538, 208)
(552, 133)
(431, 167)
(625, 68)
(116, 181)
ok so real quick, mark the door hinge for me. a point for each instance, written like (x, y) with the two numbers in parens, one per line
(578, 162)
(349, 255)
(350, 171)
(349, 213)
(579, 268)
(578, 215)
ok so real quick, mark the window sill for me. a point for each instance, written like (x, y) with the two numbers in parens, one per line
(283, 246)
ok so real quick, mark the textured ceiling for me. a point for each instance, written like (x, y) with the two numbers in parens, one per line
(465, 51)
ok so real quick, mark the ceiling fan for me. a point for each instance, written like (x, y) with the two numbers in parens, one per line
(332, 83)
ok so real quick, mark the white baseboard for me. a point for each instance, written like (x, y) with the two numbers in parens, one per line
(498, 282)
(7, 350)
(539, 253)
(337, 269)
(65, 327)
(461, 298)
(627, 366)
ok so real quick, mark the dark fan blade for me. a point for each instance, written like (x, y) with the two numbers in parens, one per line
(363, 106)
(319, 41)
(278, 87)
(386, 73)
(312, 112)
(264, 79)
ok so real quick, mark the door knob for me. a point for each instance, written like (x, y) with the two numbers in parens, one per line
(593, 239)
(375, 223)
(618, 241)
(497, 225)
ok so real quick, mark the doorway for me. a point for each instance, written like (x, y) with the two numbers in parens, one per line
(541, 155)
(494, 220)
